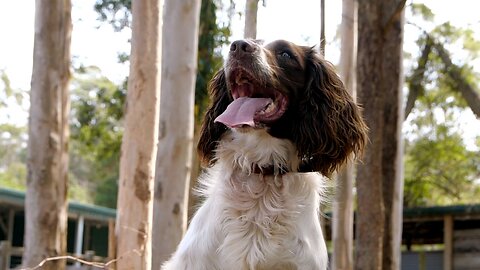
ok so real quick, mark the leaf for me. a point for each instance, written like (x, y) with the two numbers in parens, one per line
(6, 83)
(422, 10)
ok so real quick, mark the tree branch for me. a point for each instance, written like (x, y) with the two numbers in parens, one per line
(396, 13)
(415, 85)
(469, 93)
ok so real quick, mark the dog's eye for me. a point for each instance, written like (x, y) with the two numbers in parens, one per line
(286, 54)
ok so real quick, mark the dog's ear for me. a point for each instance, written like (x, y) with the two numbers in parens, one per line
(211, 132)
(331, 127)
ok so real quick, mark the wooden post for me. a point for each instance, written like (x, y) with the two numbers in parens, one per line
(5, 249)
(11, 220)
(448, 242)
(112, 242)
(86, 236)
(89, 256)
(79, 238)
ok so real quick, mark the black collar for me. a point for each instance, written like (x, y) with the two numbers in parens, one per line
(268, 170)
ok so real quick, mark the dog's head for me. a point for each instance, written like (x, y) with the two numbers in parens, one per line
(293, 93)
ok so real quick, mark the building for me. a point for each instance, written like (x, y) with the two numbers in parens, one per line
(90, 229)
(434, 238)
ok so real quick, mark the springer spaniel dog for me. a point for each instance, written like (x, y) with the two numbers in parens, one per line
(280, 122)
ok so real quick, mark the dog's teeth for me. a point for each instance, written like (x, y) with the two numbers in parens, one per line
(270, 108)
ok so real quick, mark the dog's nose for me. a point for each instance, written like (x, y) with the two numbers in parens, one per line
(241, 47)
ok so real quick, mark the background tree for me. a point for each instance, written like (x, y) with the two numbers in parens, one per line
(96, 136)
(13, 138)
(213, 34)
(13, 156)
(174, 157)
(323, 41)
(342, 220)
(251, 9)
(46, 197)
(137, 169)
(380, 35)
(439, 92)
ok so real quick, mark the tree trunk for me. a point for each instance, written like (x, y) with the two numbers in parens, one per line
(342, 224)
(137, 163)
(323, 42)
(380, 30)
(46, 197)
(251, 8)
(174, 157)
(392, 159)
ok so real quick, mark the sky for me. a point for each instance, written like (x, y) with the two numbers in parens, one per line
(95, 43)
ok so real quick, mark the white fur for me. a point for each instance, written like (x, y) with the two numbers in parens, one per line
(249, 221)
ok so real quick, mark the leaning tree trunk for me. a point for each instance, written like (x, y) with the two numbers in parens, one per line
(251, 9)
(137, 163)
(380, 30)
(416, 87)
(174, 157)
(342, 223)
(458, 81)
(46, 198)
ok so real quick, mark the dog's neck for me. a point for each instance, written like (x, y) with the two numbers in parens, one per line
(256, 152)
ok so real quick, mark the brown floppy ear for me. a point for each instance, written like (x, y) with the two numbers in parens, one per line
(331, 127)
(211, 132)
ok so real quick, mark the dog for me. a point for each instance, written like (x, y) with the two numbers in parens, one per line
(280, 122)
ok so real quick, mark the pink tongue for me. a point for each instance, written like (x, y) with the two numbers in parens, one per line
(242, 110)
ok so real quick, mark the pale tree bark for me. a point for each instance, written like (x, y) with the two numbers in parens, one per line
(46, 197)
(137, 163)
(378, 226)
(174, 157)
(251, 9)
(342, 223)
(323, 42)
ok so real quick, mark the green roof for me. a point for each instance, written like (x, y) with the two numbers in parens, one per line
(95, 212)
(467, 209)
(103, 213)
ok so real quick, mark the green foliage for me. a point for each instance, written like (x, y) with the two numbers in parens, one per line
(13, 138)
(441, 170)
(14, 176)
(115, 12)
(96, 133)
(439, 167)
(463, 37)
(422, 10)
(211, 38)
(97, 104)
(13, 146)
(8, 91)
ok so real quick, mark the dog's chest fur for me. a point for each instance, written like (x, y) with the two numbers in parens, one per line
(261, 215)
(251, 221)
(259, 220)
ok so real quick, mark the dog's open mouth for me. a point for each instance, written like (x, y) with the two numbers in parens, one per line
(253, 104)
